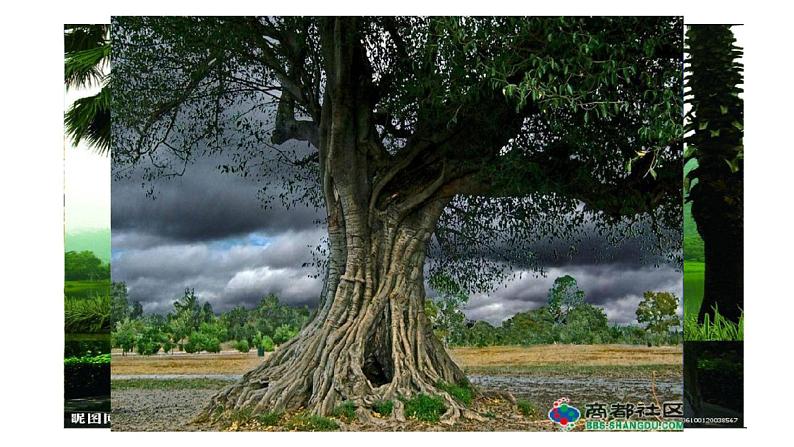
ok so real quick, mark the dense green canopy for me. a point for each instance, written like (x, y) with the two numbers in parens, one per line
(541, 127)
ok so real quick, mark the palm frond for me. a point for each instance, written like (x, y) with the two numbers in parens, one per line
(85, 68)
(87, 57)
(88, 119)
(83, 37)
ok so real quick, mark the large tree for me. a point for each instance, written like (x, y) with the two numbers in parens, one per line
(657, 311)
(715, 124)
(433, 144)
(564, 296)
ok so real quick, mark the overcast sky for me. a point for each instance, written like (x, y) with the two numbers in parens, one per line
(209, 231)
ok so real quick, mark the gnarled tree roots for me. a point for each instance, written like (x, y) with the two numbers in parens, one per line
(370, 340)
(366, 362)
(286, 382)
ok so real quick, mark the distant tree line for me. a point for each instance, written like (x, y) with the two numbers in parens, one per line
(84, 266)
(566, 318)
(193, 326)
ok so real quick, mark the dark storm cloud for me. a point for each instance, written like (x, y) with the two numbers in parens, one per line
(208, 231)
(201, 205)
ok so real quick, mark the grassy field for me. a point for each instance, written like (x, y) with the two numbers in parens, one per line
(496, 359)
(693, 286)
(223, 363)
(86, 289)
(584, 355)
(570, 360)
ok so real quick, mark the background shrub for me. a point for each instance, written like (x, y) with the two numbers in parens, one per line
(267, 344)
(283, 333)
(242, 346)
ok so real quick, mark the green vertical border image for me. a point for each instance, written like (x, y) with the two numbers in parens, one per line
(713, 229)
(713, 186)
(86, 227)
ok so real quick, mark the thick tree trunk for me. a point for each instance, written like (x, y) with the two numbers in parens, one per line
(724, 276)
(370, 340)
(719, 217)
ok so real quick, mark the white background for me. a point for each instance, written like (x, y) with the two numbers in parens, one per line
(31, 172)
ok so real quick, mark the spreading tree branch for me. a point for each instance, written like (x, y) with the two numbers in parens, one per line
(289, 128)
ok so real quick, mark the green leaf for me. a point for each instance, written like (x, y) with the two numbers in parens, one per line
(509, 90)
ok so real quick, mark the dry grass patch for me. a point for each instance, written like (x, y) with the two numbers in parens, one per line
(488, 358)
(223, 363)
(581, 355)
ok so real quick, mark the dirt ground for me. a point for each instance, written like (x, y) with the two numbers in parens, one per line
(164, 392)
